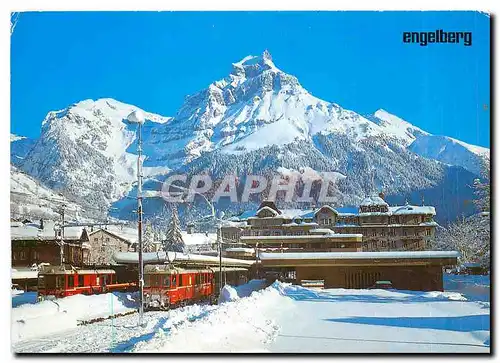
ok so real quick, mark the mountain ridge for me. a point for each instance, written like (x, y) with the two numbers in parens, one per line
(258, 114)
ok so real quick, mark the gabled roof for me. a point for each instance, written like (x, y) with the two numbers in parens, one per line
(273, 211)
(269, 204)
(373, 200)
(326, 207)
(32, 231)
(120, 237)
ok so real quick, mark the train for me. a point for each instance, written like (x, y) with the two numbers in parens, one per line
(168, 287)
(165, 286)
(54, 281)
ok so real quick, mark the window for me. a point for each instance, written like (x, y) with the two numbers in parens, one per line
(60, 282)
(166, 281)
(22, 255)
(14, 256)
(80, 280)
(34, 254)
(181, 278)
(71, 281)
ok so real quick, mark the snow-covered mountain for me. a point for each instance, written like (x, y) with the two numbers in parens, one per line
(83, 150)
(19, 147)
(29, 198)
(442, 148)
(258, 119)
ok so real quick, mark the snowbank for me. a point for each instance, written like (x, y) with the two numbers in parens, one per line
(30, 321)
(227, 294)
(244, 325)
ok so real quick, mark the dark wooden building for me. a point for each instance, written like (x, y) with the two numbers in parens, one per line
(35, 243)
(408, 270)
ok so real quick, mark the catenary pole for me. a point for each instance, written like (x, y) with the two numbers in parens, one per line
(138, 117)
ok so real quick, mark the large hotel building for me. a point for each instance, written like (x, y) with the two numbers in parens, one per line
(375, 226)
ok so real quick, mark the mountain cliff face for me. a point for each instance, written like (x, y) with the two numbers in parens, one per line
(258, 120)
(83, 151)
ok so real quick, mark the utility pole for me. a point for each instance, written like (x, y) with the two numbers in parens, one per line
(139, 224)
(138, 117)
(61, 245)
(219, 237)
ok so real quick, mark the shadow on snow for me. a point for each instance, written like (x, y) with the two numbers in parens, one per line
(466, 323)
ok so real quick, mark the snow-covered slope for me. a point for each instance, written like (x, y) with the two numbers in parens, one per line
(442, 148)
(255, 106)
(29, 198)
(393, 125)
(83, 151)
(19, 147)
(450, 151)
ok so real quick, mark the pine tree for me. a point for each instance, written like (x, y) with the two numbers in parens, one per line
(173, 240)
(148, 239)
(482, 188)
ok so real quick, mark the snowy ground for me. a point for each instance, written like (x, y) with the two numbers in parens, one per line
(280, 318)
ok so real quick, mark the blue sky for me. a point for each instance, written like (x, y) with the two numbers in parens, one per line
(154, 59)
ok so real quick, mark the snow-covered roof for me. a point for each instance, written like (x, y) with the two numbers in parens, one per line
(23, 274)
(358, 255)
(129, 234)
(326, 207)
(305, 236)
(273, 212)
(321, 231)
(198, 238)
(299, 224)
(412, 209)
(240, 249)
(32, 231)
(173, 257)
(373, 200)
(293, 214)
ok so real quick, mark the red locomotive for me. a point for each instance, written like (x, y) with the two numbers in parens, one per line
(167, 287)
(61, 282)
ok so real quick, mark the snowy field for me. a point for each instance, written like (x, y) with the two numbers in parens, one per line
(280, 318)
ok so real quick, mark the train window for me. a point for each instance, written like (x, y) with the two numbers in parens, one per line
(181, 280)
(80, 280)
(147, 280)
(174, 281)
(60, 282)
(41, 282)
(71, 281)
(166, 281)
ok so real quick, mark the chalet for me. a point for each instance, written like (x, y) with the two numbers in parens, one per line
(35, 243)
(104, 243)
